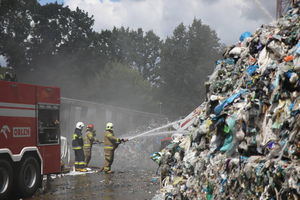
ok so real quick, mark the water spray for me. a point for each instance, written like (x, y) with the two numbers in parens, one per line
(165, 133)
(263, 9)
(154, 131)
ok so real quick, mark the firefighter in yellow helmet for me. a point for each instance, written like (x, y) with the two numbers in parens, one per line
(77, 145)
(110, 144)
(88, 141)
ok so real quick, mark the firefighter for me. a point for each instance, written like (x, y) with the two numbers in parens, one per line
(110, 144)
(77, 145)
(88, 140)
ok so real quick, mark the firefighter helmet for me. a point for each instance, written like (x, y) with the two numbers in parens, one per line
(90, 126)
(79, 125)
(109, 126)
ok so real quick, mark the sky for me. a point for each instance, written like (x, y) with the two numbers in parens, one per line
(229, 18)
(3, 61)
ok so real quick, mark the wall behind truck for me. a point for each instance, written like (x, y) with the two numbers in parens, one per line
(126, 122)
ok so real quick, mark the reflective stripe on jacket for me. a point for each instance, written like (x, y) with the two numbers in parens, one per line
(110, 141)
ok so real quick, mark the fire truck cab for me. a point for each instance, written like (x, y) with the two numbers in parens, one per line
(29, 137)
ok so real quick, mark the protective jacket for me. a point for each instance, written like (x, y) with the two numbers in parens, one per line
(110, 141)
(89, 139)
(77, 141)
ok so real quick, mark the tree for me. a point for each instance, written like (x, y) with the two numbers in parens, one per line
(186, 60)
(149, 54)
(139, 50)
(61, 36)
(15, 28)
(58, 30)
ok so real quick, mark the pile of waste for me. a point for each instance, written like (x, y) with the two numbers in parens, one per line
(245, 142)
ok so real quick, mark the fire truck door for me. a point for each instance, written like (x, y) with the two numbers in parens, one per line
(49, 136)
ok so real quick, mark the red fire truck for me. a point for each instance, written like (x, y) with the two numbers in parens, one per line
(29, 136)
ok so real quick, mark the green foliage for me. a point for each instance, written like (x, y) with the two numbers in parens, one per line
(59, 31)
(140, 51)
(15, 18)
(186, 61)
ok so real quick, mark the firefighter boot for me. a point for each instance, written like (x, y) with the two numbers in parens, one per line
(101, 169)
(83, 170)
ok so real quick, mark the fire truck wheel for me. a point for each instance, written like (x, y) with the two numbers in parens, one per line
(6, 179)
(29, 177)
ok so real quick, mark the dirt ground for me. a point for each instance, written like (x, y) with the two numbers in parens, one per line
(122, 185)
